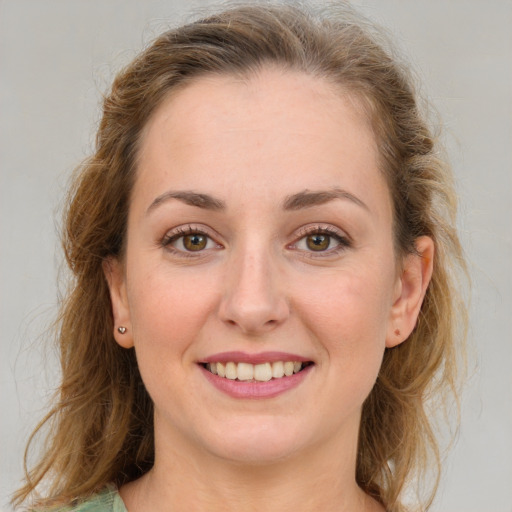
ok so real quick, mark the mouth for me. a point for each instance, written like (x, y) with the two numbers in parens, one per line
(261, 372)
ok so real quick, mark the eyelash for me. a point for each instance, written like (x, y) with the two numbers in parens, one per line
(181, 232)
(343, 241)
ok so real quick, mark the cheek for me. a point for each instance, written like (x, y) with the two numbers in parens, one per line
(348, 312)
(350, 300)
(168, 309)
(168, 312)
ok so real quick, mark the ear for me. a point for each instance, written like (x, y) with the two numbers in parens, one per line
(115, 276)
(411, 288)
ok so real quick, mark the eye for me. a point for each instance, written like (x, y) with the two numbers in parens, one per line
(322, 240)
(318, 242)
(194, 242)
(188, 240)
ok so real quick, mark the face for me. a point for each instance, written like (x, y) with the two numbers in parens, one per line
(260, 244)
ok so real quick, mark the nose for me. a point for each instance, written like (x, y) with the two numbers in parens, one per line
(253, 300)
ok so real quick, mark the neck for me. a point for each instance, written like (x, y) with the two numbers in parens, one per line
(182, 479)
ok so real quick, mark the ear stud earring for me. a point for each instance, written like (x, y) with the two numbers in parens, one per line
(397, 332)
(121, 329)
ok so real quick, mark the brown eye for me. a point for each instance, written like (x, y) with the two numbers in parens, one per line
(188, 240)
(195, 242)
(318, 242)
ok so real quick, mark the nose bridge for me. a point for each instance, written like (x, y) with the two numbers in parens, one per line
(253, 299)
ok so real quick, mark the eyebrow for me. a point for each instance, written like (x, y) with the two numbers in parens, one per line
(299, 201)
(308, 199)
(189, 197)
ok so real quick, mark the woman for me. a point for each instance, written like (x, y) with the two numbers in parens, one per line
(264, 260)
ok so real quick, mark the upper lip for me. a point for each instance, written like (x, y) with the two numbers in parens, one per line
(261, 357)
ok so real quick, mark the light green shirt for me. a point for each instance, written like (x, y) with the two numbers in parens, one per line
(107, 500)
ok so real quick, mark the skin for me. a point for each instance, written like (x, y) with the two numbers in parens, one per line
(257, 286)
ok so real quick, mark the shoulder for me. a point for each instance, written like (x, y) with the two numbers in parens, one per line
(108, 500)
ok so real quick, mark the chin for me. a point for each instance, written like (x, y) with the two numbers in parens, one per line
(257, 442)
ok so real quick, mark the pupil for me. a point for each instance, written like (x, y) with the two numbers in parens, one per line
(195, 242)
(318, 242)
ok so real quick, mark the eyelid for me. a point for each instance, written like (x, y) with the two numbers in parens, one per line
(188, 229)
(321, 228)
(344, 240)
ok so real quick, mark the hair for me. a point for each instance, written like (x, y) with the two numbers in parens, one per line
(101, 426)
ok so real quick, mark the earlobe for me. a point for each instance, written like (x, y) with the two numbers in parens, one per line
(411, 288)
(114, 274)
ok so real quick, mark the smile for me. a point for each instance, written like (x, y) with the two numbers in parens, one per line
(262, 372)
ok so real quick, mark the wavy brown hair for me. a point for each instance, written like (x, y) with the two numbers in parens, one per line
(101, 426)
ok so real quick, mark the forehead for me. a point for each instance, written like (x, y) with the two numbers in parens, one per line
(258, 100)
(280, 128)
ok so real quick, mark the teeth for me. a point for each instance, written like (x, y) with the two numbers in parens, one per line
(245, 371)
(231, 372)
(258, 372)
(278, 370)
(263, 372)
(288, 368)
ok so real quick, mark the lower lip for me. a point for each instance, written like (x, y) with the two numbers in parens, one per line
(254, 389)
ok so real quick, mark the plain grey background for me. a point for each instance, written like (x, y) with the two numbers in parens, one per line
(56, 58)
